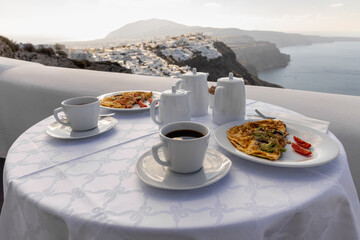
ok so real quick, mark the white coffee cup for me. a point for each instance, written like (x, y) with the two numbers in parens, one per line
(182, 154)
(82, 113)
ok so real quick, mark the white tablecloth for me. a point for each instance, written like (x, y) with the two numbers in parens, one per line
(88, 189)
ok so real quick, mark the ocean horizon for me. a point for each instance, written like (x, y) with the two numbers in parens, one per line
(322, 67)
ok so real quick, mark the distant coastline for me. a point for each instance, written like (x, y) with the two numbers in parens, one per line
(323, 67)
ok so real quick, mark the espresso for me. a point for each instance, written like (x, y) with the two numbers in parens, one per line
(184, 134)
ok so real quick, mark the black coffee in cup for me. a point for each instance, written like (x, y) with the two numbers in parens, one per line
(184, 134)
(184, 145)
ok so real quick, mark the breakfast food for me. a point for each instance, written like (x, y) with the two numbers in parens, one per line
(212, 90)
(127, 99)
(265, 138)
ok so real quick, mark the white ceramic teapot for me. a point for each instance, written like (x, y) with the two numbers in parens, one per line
(173, 106)
(229, 100)
(196, 83)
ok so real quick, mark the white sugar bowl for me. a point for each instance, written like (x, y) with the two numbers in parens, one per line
(173, 106)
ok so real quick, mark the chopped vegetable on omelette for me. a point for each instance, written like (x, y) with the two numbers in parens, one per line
(265, 138)
(126, 99)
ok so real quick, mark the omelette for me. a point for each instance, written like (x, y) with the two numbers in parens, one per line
(125, 99)
(265, 138)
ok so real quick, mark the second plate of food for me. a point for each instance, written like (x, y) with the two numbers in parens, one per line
(324, 149)
(121, 100)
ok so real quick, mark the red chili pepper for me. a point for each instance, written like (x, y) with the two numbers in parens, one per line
(301, 150)
(301, 142)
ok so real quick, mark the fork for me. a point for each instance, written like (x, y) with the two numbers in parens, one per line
(262, 115)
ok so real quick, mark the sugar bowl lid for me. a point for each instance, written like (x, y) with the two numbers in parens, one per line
(174, 91)
(230, 79)
(194, 73)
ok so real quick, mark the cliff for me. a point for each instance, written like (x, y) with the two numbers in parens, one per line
(220, 66)
(260, 55)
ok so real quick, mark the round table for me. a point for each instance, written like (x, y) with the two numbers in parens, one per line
(88, 189)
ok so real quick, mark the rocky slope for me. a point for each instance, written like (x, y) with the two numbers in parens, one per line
(59, 61)
(49, 57)
(7, 47)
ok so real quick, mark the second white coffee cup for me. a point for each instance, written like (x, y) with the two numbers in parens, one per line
(82, 113)
(184, 145)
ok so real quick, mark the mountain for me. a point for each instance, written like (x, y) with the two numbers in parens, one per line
(149, 29)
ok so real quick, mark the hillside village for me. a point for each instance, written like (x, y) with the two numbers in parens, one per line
(154, 57)
(168, 57)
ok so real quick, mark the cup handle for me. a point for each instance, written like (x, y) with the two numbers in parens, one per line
(56, 113)
(152, 111)
(155, 153)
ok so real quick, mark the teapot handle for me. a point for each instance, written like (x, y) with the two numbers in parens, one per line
(152, 111)
(179, 84)
(217, 97)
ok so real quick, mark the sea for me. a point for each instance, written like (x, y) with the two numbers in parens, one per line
(322, 67)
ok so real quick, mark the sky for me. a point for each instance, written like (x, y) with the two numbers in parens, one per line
(41, 21)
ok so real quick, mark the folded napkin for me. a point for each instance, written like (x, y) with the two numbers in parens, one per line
(316, 124)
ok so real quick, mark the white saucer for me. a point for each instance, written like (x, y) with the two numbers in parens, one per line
(215, 167)
(58, 130)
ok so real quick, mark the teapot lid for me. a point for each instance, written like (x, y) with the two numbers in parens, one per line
(231, 78)
(194, 73)
(174, 91)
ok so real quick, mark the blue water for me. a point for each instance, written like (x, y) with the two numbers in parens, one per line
(326, 67)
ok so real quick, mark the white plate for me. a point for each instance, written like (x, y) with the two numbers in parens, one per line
(58, 130)
(215, 167)
(323, 148)
(136, 107)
